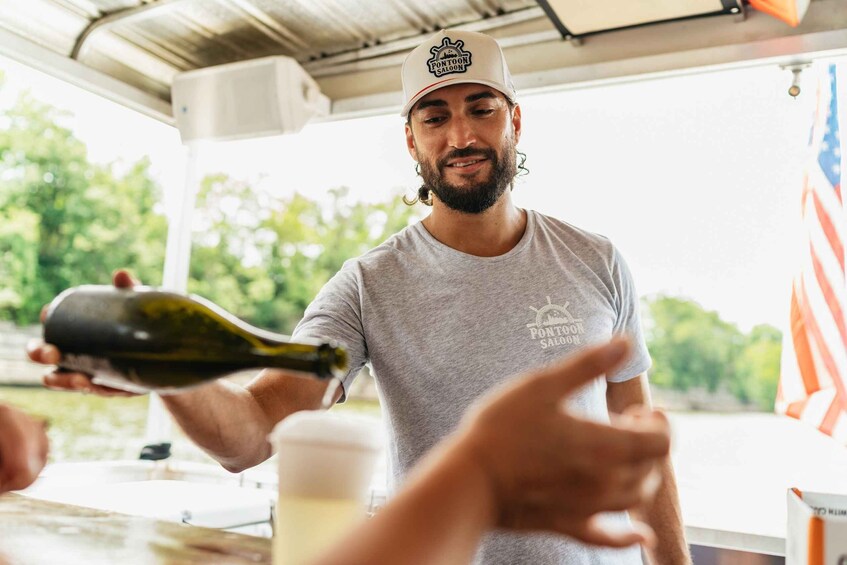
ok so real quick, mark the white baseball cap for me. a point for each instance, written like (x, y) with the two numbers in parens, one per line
(454, 57)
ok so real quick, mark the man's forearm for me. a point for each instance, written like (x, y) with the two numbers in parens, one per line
(225, 421)
(665, 517)
(231, 423)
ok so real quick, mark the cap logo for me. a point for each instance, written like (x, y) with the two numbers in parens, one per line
(448, 58)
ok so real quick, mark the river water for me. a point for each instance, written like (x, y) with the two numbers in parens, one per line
(734, 470)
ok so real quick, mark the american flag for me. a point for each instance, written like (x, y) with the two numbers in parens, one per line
(813, 379)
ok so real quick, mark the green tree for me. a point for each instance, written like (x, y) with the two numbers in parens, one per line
(265, 258)
(694, 347)
(758, 365)
(18, 259)
(690, 346)
(65, 220)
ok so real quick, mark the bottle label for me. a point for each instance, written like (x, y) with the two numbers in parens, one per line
(102, 372)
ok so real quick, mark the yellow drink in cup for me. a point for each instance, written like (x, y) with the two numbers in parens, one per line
(326, 462)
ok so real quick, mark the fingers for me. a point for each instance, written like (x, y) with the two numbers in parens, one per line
(23, 449)
(594, 529)
(632, 492)
(638, 415)
(122, 279)
(47, 354)
(101, 390)
(43, 353)
(61, 380)
(563, 378)
(645, 439)
(79, 382)
(622, 487)
(599, 530)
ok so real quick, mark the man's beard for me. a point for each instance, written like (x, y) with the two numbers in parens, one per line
(481, 196)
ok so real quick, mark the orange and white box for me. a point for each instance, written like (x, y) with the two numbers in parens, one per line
(817, 529)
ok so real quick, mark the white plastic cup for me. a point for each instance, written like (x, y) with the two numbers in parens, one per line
(326, 462)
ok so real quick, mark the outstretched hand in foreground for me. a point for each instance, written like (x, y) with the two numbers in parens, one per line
(521, 461)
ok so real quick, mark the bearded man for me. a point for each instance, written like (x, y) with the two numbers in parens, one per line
(452, 306)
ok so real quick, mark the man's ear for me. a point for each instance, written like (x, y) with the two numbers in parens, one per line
(410, 142)
(516, 122)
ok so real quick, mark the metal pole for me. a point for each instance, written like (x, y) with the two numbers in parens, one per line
(175, 277)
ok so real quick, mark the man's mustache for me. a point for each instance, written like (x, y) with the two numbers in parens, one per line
(489, 154)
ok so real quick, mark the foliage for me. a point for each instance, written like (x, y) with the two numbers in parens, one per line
(694, 348)
(691, 347)
(265, 258)
(759, 363)
(94, 428)
(66, 221)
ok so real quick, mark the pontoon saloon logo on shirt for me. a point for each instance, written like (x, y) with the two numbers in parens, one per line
(449, 58)
(554, 325)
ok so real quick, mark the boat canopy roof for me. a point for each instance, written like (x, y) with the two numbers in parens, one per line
(130, 50)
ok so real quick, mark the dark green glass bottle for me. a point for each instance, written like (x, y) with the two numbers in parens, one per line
(143, 339)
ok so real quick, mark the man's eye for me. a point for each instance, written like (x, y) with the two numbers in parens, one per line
(434, 120)
(483, 111)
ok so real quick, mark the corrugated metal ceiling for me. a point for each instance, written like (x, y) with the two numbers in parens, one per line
(146, 43)
(343, 43)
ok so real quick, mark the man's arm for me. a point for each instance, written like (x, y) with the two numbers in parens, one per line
(231, 423)
(663, 514)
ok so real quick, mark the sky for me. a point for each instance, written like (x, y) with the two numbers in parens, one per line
(696, 179)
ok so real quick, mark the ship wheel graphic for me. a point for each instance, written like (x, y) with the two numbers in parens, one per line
(551, 314)
(447, 50)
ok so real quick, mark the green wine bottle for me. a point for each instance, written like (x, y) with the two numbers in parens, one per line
(144, 339)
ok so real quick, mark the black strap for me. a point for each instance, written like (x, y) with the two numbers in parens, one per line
(560, 25)
(730, 5)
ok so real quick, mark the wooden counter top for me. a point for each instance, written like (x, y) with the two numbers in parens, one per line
(40, 532)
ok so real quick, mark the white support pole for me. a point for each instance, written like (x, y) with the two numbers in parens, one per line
(175, 278)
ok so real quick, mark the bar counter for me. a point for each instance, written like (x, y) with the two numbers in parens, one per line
(36, 532)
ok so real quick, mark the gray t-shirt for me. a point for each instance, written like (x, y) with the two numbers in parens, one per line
(441, 327)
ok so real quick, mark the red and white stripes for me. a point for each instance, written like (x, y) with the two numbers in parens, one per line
(813, 380)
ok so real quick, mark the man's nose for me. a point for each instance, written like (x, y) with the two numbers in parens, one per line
(461, 133)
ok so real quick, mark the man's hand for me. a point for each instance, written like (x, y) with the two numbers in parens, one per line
(47, 354)
(23, 449)
(550, 470)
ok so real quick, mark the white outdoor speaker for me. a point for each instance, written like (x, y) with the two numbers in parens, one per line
(267, 96)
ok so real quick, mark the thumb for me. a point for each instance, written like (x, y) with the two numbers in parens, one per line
(562, 378)
(123, 279)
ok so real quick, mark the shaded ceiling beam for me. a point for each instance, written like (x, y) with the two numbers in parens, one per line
(59, 66)
(267, 25)
(114, 18)
(406, 44)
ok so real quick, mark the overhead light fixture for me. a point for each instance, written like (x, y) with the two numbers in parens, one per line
(575, 18)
